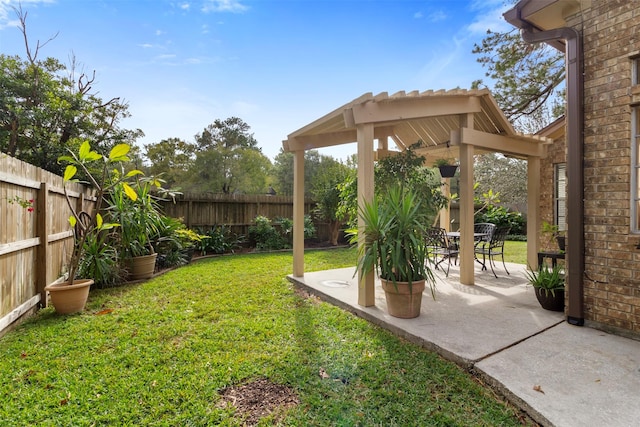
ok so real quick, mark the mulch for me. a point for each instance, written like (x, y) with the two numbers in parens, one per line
(257, 399)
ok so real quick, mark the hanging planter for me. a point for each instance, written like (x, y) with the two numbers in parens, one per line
(447, 167)
(448, 171)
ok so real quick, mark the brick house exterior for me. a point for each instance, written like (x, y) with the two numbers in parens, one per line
(610, 37)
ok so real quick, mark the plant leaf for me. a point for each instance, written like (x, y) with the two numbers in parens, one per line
(130, 192)
(69, 172)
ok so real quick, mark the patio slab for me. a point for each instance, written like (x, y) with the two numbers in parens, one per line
(464, 323)
(561, 375)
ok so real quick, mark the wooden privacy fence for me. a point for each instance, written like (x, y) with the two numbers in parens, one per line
(236, 211)
(34, 245)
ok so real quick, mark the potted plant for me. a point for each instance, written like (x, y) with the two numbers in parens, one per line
(447, 167)
(552, 232)
(394, 246)
(71, 295)
(549, 286)
(141, 221)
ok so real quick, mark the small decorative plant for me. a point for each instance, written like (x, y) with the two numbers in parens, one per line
(552, 232)
(444, 162)
(547, 280)
(446, 166)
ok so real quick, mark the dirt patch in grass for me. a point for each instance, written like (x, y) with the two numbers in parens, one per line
(257, 399)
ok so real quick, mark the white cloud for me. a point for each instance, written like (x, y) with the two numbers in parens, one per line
(418, 15)
(233, 6)
(489, 16)
(146, 45)
(184, 6)
(437, 16)
(8, 17)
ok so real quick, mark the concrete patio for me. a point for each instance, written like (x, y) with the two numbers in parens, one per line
(561, 375)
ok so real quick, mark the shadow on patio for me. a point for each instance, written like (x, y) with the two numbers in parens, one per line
(464, 324)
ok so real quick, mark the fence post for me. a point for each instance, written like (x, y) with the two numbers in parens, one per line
(42, 232)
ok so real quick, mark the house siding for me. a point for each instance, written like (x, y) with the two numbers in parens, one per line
(611, 33)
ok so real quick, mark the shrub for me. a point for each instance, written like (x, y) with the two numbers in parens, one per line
(265, 236)
(219, 240)
(502, 217)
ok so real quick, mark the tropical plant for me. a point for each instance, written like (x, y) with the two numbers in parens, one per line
(135, 208)
(86, 225)
(394, 238)
(547, 280)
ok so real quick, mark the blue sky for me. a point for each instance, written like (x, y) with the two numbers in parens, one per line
(278, 65)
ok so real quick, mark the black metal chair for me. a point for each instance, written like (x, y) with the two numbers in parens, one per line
(493, 248)
(441, 248)
(485, 228)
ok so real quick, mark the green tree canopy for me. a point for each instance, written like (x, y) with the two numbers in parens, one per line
(47, 107)
(526, 76)
(314, 162)
(228, 160)
(172, 158)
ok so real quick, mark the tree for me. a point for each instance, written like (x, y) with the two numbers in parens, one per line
(45, 112)
(283, 171)
(172, 158)
(228, 159)
(526, 76)
(503, 175)
(326, 193)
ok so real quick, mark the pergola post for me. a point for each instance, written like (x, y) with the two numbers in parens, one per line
(445, 212)
(366, 283)
(533, 210)
(298, 213)
(466, 206)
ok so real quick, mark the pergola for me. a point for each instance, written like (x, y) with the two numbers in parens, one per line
(454, 123)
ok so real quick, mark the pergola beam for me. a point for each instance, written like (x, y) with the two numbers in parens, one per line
(413, 108)
(312, 142)
(501, 144)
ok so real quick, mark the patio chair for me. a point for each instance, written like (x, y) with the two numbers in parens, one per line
(485, 228)
(493, 248)
(441, 248)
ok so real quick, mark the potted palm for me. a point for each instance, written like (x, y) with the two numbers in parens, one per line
(394, 246)
(549, 286)
(71, 295)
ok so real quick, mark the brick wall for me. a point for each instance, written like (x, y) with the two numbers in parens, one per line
(611, 33)
(556, 153)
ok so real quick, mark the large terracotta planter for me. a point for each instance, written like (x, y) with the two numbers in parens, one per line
(142, 267)
(551, 302)
(67, 298)
(403, 302)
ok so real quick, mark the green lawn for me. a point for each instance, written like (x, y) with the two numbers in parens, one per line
(515, 252)
(159, 353)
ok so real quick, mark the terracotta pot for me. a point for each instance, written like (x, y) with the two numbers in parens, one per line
(67, 298)
(403, 302)
(550, 302)
(142, 267)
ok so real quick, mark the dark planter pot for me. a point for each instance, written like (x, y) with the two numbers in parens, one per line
(561, 242)
(551, 302)
(448, 171)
